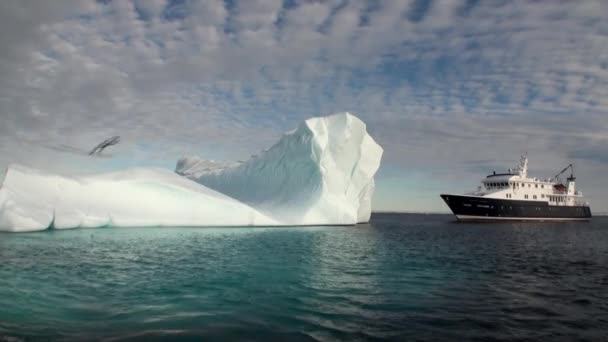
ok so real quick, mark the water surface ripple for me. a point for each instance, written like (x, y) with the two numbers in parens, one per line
(401, 277)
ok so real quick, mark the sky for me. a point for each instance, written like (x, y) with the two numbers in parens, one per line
(452, 90)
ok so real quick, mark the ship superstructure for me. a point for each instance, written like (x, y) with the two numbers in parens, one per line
(516, 196)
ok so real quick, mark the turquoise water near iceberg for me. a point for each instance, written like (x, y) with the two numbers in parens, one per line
(401, 277)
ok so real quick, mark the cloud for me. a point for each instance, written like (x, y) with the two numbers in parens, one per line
(441, 84)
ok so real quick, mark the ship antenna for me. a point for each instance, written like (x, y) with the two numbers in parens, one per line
(572, 178)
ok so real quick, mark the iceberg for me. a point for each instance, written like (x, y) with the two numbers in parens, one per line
(321, 173)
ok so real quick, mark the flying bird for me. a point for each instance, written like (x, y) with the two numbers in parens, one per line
(102, 145)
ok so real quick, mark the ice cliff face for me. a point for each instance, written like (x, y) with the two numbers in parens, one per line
(320, 173)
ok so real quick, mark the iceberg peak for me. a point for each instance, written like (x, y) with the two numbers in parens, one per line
(320, 173)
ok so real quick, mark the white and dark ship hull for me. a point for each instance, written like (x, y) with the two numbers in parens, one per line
(477, 208)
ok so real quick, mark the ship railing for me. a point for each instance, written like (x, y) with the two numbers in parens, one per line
(568, 204)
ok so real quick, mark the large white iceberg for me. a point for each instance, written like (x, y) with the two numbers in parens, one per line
(320, 173)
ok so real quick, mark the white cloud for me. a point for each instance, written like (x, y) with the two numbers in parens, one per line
(218, 80)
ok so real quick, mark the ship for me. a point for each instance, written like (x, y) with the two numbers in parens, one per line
(513, 196)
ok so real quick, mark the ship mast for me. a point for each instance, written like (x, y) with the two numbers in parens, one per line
(523, 166)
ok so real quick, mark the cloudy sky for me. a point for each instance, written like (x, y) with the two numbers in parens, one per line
(451, 89)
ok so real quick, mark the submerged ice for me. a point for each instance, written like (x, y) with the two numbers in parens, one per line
(320, 173)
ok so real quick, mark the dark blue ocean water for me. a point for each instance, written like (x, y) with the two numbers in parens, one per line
(401, 277)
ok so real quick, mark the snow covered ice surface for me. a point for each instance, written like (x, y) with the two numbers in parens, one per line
(31, 200)
(318, 174)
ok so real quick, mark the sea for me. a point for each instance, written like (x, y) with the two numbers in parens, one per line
(402, 277)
